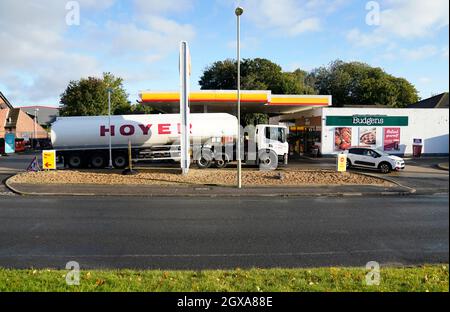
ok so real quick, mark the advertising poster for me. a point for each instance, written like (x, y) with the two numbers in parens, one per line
(342, 138)
(391, 139)
(10, 143)
(367, 136)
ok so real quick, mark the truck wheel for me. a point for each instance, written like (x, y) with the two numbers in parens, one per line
(120, 161)
(75, 161)
(203, 162)
(98, 161)
(385, 167)
(268, 160)
(204, 158)
(221, 161)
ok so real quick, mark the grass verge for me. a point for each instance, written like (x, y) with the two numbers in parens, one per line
(433, 278)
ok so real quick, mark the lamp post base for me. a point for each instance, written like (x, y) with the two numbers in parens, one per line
(130, 172)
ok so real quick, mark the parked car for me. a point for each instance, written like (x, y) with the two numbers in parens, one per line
(371, 158)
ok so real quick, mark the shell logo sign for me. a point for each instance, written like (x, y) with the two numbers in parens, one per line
(249, 96)
(301, 100)
(204, 97)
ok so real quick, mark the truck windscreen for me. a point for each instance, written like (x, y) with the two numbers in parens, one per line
(276, 134)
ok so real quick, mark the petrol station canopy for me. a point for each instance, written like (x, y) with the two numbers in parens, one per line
(224, 101)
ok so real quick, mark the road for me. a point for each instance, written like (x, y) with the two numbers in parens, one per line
(180, 233)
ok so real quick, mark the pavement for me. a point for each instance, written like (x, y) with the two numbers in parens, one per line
(212, 233)
(203, 191)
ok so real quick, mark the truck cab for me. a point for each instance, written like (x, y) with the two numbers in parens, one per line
(272, 145)
(262, 145)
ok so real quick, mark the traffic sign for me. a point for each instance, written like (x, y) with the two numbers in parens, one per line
(49, 160)
(342, 163)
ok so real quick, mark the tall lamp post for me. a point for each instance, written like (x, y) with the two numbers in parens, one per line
(36, 111)
(238, 13)
(109, 127)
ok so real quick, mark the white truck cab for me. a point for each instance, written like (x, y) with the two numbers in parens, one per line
(272, 145)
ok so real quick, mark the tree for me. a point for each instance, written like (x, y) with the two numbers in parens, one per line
(359, 83)
(254, 119)
(256, 74)
(135, 109)
(89, 96)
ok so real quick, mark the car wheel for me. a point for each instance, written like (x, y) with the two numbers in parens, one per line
(349, 164)
(385, 167)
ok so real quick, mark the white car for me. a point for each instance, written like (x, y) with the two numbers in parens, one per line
(371, 158)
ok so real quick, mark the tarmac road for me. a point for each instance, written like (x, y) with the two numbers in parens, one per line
(190, 233)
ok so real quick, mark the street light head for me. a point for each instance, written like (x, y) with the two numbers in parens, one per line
(239, 11)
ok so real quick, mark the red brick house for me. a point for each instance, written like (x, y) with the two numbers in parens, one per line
(17, 121)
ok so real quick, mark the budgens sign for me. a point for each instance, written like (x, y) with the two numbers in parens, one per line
(367, 120)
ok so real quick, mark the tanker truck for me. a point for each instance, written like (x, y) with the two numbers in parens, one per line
(84, 141)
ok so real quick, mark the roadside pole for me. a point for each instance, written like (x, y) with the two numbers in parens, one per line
(36, 110)
(110, 166)
(129, 170)
(184, 107)
(239, 12)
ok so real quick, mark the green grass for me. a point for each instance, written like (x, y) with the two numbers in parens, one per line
(420, 279)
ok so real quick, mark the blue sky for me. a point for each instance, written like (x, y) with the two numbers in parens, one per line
(138, 40)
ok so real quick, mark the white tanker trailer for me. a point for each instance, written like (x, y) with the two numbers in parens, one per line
(84, 141)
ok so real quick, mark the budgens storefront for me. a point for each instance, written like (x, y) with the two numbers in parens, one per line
(330, 130)
(395, 131)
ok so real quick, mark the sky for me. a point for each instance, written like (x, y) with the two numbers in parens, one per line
(46, 43)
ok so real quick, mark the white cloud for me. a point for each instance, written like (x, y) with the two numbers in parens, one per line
(404, 19)
(306, 25)
(34, 62)
(96, 4)
(41, 54)
(419, 53)
(163, 36)
(290, 17)
(445, 52)
(414, 18)
(153, 7)
(246, 43)
(425, 80)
